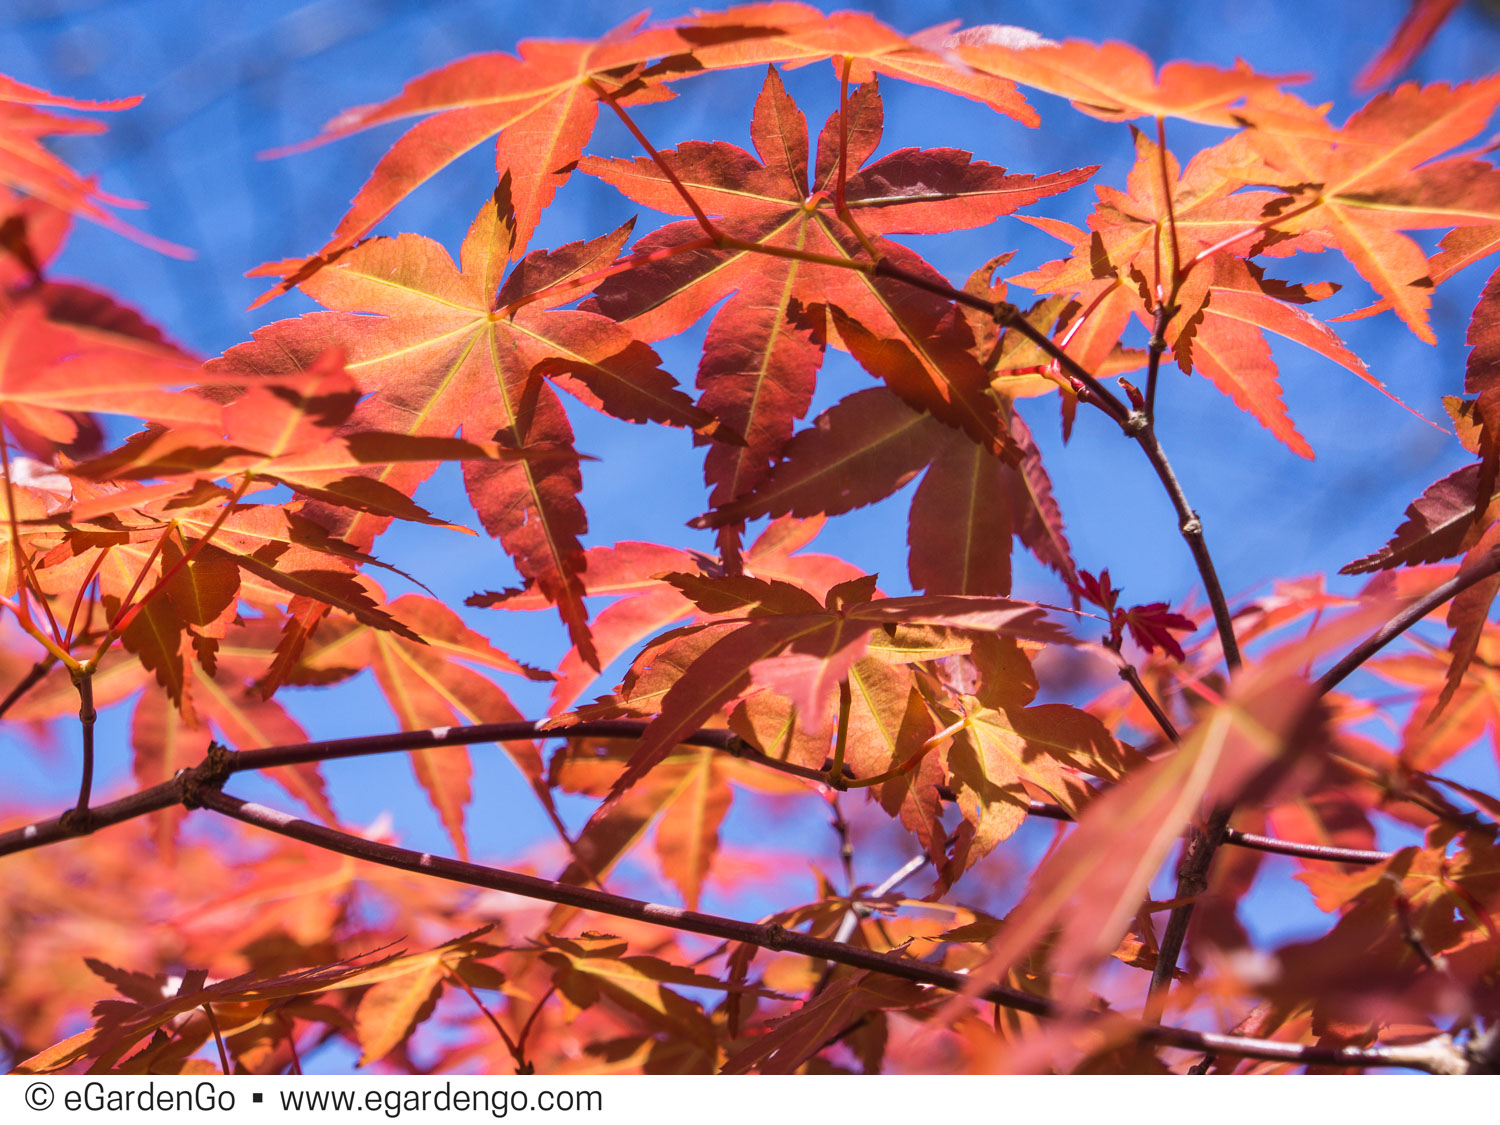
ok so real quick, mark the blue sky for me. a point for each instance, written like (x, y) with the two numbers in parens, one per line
(225, 82)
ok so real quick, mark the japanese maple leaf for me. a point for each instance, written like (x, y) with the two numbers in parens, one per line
(1224, 304)
(152, 1003)
(1418, 26)
(32, 231)
(779, 637)
(1151, 626)
(765, 345)
(283, 430)
(172, 569)
(1090, 886)
(448, 353)
(851, 1001)
(541, 106)
(1460, 248)
(28, 166)
(1446, 520)
(431, 684)
(1112, 81)
(855, 42)
(52, 371)
(1457, 514)
(1358, 187)
(685, 800)
(963, 514)
(646, 604)
(1435, 734)
(1482, 374)
(1002, 749)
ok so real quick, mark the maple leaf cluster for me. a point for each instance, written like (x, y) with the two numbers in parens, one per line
(228, 549)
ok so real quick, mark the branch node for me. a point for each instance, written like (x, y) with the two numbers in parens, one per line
(772, 937)
(1003, 312)
(1192, 525)
(1135, 424)
(76, 821)
(211, 773)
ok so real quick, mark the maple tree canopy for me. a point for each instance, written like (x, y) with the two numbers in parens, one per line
(1081, 790)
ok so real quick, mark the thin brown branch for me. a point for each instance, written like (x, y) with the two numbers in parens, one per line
(1198, 853)
(1191, 527)
(1155, 348)
(760, 934)
(1438, 1055)
(1470, 575)
(36, 675)
(1364, 857)
(516, 1054)
(213, 1025)
(87, 715)
(656, 158)
(1192, 880)
(843, 831)
(223, 763)
(1131, 676)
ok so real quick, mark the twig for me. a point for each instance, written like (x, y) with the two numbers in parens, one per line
(1192, 881)
(760, 934)
(1192, 532)
(84, 682)
(1155, 348)
(222, 764)
(1132, 676)
(213, 1024)
(1469, 576)
(1198, 853)
(522, 1066)
(841, 737)
(858, 910)
(846, 841)
(35, 676)
(1364, 857)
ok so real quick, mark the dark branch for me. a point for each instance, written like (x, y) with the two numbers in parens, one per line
(35, 676)
(1469, 576)
(1435, 1056)
(222, 764)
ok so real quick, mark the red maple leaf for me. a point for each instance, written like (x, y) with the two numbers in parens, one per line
(450, 353)
(765, 345)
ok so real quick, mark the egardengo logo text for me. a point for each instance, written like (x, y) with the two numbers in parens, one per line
(95, 1096)
(444, 1099)
(203, 1097)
